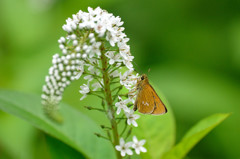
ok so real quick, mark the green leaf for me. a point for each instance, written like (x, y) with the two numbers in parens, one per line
(59, 150)
(17, 145)
(77, 130)
(194, 135)
(159, 131)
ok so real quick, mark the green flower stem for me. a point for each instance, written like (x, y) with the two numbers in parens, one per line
(128, 133)
(114, 78)
(114, 69)
(91, 93)
(121, 118)
(94, 75)
(105, 127)
(114, 82)
(100, 83)
(92, 108)
(119, 87)
(93, 65)
(124, 129)
(101, 136)
(109, 136)
(109, 100)
(121, 95)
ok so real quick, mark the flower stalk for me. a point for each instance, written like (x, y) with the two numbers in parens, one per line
(108, 96)
(96, 48)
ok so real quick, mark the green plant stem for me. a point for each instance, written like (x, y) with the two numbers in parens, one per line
(92, 108)
(91, 93)
(109, 100)
(124, 129)
(101, 136)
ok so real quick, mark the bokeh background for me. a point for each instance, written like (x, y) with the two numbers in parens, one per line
(192, 49)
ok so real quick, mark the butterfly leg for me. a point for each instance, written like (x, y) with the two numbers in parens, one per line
(135, 106)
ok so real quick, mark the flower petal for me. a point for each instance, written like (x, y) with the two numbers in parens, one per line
(119, 148)
(142, 142)
(118, 110)
(129, 144)
(123, 153)
(129, 122)
(136, 116)
(129, 152)
(135, 140)
(137, 150)
(111, 61)
(134, 123)
(143, 149)
(122, 142)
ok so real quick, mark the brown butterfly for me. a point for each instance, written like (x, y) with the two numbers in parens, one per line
(147, 101)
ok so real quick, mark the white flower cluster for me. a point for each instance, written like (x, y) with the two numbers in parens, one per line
(103, 24)
(125, 148)
(81, 49)
(129, 80)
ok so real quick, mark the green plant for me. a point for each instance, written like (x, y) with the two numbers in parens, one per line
(95, 47)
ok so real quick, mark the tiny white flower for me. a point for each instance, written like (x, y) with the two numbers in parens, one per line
(124, 77)
(64, 51)
(93, 70)
(124, 148)
(73, 26)
(88, 78)
(138, 145)
(78, 55)
(84, 56)
(96, 86)
(95, 49)
(111, 38)
(113, 58)
(122, 105)
(100, 29)
(61, 40)
(75, 42)
(132, 118)
(61, 46)
(114, 73)
(92, 40)
(128, 64)
(84, 91)
(91, 35)
(73, 36)
(68, 57)
(54, 61)
(85, 47)
(128, 79)
(79, 68)
(67, 28)
(77, 49)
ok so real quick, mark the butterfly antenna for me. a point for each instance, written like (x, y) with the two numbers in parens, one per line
(138, 68)
(148, 73)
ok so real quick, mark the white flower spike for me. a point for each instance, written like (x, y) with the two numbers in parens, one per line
(95, 48)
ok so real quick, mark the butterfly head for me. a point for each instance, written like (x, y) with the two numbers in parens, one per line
(142, 80)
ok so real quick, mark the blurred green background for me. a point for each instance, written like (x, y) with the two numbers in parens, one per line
(191, 47)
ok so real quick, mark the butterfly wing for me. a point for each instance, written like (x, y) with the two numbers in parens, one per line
(159, 106)
(148, 102)
(143, 103)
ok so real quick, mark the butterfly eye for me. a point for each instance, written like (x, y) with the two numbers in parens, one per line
(142, 78)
